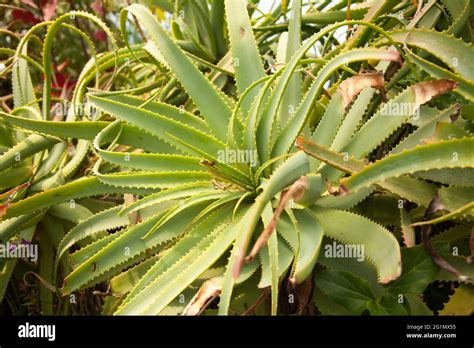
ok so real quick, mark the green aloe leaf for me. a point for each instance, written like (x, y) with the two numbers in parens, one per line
(452, 153)
(310, 239)
(212, 105)
(84, 187)
(246, 57)
(161, 284)
(380, 247)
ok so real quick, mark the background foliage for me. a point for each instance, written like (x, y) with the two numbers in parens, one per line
(202, 156)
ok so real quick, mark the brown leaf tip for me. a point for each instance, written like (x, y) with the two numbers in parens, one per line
(299, 143)
(425, 91)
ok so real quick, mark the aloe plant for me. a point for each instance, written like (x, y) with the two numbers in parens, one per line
(226, 158)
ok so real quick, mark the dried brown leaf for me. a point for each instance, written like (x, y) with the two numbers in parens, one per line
(206, 294)
(295, 192)
(352, 86)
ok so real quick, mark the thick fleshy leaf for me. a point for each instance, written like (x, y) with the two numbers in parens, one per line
(211, 104)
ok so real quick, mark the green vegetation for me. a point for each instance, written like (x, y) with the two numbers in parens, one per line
(219, 157)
